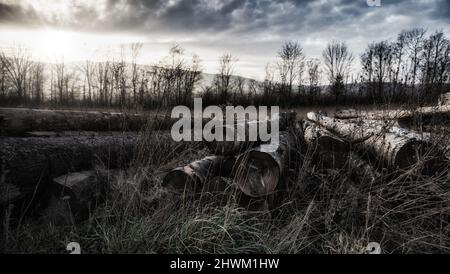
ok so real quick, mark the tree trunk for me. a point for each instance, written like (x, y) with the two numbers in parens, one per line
(395, 150)
(259, 170)
(233, 146)
(420, 119)
(192, 177)
(18, 121)
(328, 150)
(363, 172)
(29, 164)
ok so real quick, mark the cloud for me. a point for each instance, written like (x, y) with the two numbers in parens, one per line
(17, 15)
(251, 29)
(173, 17)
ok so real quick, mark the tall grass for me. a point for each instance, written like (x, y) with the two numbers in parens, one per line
(323, 211)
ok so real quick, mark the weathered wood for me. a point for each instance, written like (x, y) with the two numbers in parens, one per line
(193, 176)
(328, 150)
(426, 118)
(259, 170)
(235, 146)
(347, 114)
(75, 195)
(30, 163)
(231, 145)
(444, 99)
(372, 115)
(394, 149)
(364, 172)
(418, 118)
(17, 121)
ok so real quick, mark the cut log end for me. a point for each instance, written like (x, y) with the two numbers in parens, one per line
(258, 174)
(180, 179)
(327, 149)
(411, 154)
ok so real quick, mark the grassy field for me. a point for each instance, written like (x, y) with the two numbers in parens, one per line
(324, 211)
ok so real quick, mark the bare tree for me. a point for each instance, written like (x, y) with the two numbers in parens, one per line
(414, 39)
(313, 67)
(88, 69)
(377, 66)
(223, 78)
(37, 72)
(135, 51)
(435, 60)
(60, 71)
(192, 76)
(17, 66)
(337, 60)
(291, 58)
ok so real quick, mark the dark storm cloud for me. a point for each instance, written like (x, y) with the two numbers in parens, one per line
(231, 16)
(443, 11)
(10, 13)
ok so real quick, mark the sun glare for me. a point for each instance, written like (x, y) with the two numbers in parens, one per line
(56, 44)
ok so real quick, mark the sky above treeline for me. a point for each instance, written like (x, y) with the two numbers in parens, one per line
(250, 30)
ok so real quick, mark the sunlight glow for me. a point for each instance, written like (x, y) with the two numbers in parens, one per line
(56, 44)
(52, 45)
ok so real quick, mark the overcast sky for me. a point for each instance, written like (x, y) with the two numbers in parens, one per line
(251, 30)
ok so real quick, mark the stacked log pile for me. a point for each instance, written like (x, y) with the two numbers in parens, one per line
(256, 166)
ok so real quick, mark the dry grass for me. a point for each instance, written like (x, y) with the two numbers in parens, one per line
(324, 211)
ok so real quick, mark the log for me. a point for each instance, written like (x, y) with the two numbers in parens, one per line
(328, 150)
(75, 195)
(364, 172)
(19, 121)
(193, 176)
(395, 150)
(420, 118)
(28, 164)
(259, 170)
(444, 99)
(347, 114)
(426, 118)
(286, 120)
(371, 115)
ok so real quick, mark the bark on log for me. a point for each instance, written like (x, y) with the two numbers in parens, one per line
(394, 149)
(444, 99)
(230, 145)
(19, 121)
(259, 170)
(29, 164)
(192, 177)
(75, 195)
(364, 172)
(328, 150)
(426, 118)
(420, 118)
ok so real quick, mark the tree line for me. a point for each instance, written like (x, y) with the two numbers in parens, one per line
(414, 67)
